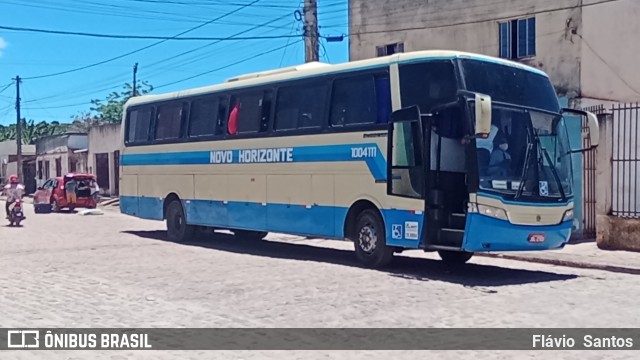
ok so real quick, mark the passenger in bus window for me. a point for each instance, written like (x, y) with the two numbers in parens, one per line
(232, 124)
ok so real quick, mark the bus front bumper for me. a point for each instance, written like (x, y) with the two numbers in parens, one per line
(484, 233)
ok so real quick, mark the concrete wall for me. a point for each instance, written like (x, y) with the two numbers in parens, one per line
(105, 139)
(470, 26)
(610, 51)
(60, 143)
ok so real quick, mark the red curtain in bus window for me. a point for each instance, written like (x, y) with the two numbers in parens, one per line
(232, 126)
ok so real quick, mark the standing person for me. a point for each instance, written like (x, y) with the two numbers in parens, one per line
(70, 188)
(14, 191)
(95, 190)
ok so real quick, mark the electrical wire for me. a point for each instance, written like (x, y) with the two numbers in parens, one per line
(143, 48)
(609, 66)
(229, 65)
(181, 63)
(143, 37)
(293, 25)
(532, 13)
(5, 87)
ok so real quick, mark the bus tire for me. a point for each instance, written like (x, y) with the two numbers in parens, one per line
(177, 228)
(455, 257)
(250, 235)
(369, 239)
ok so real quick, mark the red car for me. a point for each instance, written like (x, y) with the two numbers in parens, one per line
(53, 192)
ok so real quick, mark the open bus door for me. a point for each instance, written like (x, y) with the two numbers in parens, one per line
(408, 157)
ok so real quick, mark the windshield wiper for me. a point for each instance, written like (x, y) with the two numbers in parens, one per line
(554, 171)
(527, 161)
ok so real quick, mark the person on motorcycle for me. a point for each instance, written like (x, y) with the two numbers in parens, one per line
(14, 191)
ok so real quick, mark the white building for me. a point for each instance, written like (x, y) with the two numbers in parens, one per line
(59, 155)
(104, 156)
(9, 164)
(589, 48)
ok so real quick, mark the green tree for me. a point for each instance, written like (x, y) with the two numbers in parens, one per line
(110, 109)
(32, 131)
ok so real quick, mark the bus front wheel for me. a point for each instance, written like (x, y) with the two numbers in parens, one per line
(455, 257)
(177, 228)
(369, 238)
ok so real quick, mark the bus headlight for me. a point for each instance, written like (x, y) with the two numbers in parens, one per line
(568, 215)
(493, 212)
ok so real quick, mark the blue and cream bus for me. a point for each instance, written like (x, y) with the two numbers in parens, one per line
(434, 150)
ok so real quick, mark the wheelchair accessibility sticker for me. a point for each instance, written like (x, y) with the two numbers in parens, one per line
(396, 231)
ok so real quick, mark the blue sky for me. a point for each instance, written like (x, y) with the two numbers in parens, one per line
(167, 66)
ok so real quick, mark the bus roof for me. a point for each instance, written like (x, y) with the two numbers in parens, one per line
(317, 68)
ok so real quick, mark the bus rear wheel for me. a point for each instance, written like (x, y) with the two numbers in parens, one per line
(455, 257)
(177, 228)
(369, 238)
(250, 235)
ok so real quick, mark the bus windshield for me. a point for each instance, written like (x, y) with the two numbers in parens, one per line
(510, 85)
(527, 153)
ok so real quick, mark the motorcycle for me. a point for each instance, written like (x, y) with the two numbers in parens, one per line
(16, 215)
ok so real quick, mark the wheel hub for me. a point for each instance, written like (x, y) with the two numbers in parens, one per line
(367, 239)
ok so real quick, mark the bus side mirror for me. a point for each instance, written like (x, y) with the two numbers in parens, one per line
(592, 123)
(483, 115)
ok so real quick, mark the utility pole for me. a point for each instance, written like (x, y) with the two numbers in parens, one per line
(311, 43)
(135, 84)
(18, 131)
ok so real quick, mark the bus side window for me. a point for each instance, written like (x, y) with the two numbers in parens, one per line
(222, 113)
(139, 124)
(169, 121)
(203, 117)
(301, 106)
(250, 112)
(353, 101)
(266, 102)
(383, 97)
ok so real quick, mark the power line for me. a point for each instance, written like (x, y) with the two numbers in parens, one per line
(94, 89)
(229, 65)
(293, 25)
(609, 66)
(145, 37)
(6, 87)
(205, 3)
(200, 57)
(143, 48)
(482, 20)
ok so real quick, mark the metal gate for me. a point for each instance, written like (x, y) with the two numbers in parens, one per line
(625, 161)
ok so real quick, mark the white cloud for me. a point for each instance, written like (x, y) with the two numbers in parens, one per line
(3, 44)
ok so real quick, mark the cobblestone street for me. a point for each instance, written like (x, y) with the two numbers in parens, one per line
(67, 270)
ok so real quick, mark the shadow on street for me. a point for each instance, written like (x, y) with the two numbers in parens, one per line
(405, 267)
